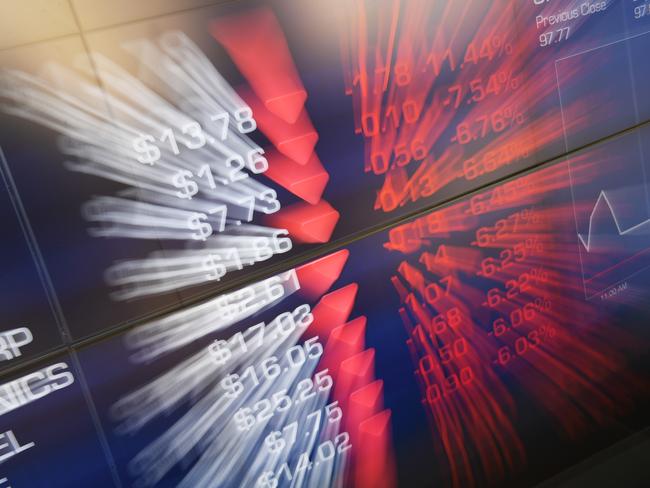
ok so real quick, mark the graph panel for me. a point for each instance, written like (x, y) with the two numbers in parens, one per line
(612, 211)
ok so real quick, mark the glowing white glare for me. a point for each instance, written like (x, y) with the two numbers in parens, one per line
(205, 434)
(178, 142)
(180, 328)
(168, 270)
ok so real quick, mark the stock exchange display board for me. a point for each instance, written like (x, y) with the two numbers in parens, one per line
(326, 243)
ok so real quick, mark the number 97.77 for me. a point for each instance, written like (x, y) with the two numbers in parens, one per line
(554, 36)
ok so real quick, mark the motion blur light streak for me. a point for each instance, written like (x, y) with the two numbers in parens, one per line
(364, 244)
(224, 404)
(167, 202)
(200, 375)
(183, 327)
(255, 41)
(413, 84)
(531, 336)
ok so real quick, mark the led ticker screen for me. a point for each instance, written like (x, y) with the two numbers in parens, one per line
(328, 243)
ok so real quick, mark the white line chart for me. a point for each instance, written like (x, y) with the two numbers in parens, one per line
(604, 200)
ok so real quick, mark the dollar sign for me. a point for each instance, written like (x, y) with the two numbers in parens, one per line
(274, 442)
(203, 229)
(232, 386)
(244, 419)
(148, 153)
(220, 352)
(215, 270)
(187, 189)
(267, 480)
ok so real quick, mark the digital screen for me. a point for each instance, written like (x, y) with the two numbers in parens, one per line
(336, 243)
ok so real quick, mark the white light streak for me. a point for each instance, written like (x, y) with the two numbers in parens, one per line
(205, 440)
(178, 143)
